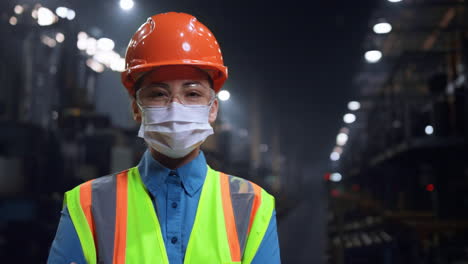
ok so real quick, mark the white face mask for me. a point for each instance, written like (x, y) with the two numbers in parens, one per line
(175, 130)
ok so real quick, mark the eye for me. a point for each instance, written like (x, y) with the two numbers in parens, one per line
(155, 94)
(193, 94)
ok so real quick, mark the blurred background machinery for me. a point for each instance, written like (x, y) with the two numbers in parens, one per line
(398, 181)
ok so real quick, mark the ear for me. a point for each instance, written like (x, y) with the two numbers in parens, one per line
(136, 111)
(213, 111)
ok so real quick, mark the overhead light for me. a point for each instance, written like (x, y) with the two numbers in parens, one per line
(349, 118)
(82, 35)
(91, 46)
(13, 21)
(341, 139)
(106, 57)
(94, 65)
(34, 13)
(105, 44)
(335, 177)
(82, 44)
(373, 56)
(61, 11)
(382, 28)
(429, 130)
(354, 105)
(334, 156)
(126, 4)
(394, 1)
(70, 14)
(19, 9)
(224, 95)
(45, 17)
(118, 65)
(59, 37)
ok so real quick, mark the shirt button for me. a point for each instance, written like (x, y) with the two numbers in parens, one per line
(174, 205)
(174, 240)
(172, 173)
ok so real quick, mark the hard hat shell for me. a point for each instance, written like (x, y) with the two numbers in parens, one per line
(173, 39)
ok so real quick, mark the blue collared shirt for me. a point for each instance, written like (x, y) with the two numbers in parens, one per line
(175, 195)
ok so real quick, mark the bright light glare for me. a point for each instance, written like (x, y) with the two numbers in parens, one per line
(429, 130)
(126, 4)
(94, 65)
(106, 57)
(394, 1)
(349, 118)
(19, 9)
(118, 65)
(224, 95)
(59, 37)
(13, 21)
(91, 46)
(61, 11)
(70, 14)
(105, 44)
(45, 17)
(382, 28)
(354, 105)
(335, 156)
(373, 56)
(335, 177)
(341, 139)
(82, 44)
(82, 35)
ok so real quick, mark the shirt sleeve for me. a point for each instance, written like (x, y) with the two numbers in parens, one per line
(269, 251)
(66, 247)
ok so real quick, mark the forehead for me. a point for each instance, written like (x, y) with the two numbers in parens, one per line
(175, 72)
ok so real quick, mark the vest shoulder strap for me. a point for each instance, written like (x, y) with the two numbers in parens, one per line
(92, 207)
(78, 202)
(248, 202)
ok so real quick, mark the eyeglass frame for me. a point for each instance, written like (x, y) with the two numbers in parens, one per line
(171, 98)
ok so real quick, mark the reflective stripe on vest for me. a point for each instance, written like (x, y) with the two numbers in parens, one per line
(116, 221)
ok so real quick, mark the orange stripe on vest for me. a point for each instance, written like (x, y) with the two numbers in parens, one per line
(256, 204)
(231, 228)
(86, 201)
(121, 218)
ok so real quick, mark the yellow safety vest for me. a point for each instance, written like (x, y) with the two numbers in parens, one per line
(116, 221)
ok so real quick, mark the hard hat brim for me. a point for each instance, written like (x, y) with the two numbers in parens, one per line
(217, 72)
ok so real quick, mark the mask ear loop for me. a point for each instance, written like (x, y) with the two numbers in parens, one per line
(213, 98)
(137, 99)
(141, 107)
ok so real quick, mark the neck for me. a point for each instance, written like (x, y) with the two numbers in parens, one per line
(171, 163)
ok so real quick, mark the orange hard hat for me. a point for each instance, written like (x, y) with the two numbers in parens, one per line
(173, 39)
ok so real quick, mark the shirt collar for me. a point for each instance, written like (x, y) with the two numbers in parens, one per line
(154, 174)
